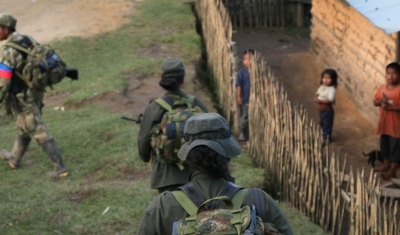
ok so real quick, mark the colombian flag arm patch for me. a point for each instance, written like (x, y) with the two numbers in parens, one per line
(5, 71)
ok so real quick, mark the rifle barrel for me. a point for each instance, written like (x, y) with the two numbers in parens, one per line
(129, 119)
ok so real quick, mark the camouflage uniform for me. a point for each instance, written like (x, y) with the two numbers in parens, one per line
(26, 104)
(164, 176)
(165, 209)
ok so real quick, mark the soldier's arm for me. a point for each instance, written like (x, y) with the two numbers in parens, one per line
(10, 59)
(152, 116)
(148, 224)
(5, 84)
(275, 216)
(7, 65)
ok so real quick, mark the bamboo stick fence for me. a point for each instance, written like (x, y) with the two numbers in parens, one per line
(288, 145)
(221, 62)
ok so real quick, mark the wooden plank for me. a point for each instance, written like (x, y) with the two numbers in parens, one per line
(395, 181)
(302, 1)
(241, 14)
(257, 13)
(265, 13)
(249, 13)
(300, 14)
(283, 12)
(391, 190)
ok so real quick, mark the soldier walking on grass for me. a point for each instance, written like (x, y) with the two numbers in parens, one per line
(165, 176)
(22, 101)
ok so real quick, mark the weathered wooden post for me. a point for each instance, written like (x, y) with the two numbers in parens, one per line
(300, 14)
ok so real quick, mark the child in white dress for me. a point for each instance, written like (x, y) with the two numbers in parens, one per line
(324, 100)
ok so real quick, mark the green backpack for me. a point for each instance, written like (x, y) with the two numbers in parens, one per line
(219, 215)
(43, 67)
(167, 136)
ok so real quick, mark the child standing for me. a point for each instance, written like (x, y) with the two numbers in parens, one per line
(243, 92)
(325, 99)
(387, 97)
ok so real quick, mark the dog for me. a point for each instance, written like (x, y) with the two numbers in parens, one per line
(373, 156)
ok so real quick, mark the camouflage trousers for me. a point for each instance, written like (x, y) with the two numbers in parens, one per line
(30, 124)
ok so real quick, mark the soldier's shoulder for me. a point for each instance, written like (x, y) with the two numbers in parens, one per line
(8, 55)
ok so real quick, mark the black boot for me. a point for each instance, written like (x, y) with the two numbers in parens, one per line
(51, 149)
(14, 157)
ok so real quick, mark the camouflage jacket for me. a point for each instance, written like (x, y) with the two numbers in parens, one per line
(162, 175)
(165, 209)
(14, 59)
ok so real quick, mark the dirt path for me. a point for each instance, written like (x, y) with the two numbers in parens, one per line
(298, 69)
(47, 20)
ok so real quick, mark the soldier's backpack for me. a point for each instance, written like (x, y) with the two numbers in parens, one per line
(223, 214)
(42, 67)
(167, 136)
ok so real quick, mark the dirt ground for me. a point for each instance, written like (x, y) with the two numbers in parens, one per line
(47, 20)
(288, 55)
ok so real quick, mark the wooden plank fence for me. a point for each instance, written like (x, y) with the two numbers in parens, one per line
(285, 142)
(260, 13)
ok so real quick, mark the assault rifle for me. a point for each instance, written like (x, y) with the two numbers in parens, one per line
(72, 73)
(138, 120)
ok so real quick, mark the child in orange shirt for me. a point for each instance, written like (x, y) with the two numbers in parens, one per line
(388, 98)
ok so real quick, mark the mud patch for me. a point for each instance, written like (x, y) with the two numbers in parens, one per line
(135, 97)
(154, 51)
(128, 172)
(55, 100)
(78, 196)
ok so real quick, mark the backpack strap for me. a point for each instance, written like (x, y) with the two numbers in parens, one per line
(193, 193)
(28, 52)
(190, 101)
(259, 203)
(19, 48)
(238, 198)
(190, 197)
(197, 197)
(185, 202)
(163, 104)
(230, 189)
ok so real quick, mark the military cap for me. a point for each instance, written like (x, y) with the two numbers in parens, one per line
(172, 67)
(211, 130)
(8, 20)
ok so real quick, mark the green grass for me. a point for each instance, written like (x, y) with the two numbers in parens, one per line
(299, 222)
(97, 146)
(100, 150)
(103, 60)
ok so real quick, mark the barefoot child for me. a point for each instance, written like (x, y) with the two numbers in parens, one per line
(387, 97)
(324, 99)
